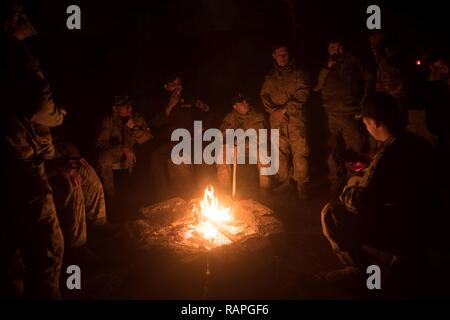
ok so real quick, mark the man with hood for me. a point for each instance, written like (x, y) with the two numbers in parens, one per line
(284, 93)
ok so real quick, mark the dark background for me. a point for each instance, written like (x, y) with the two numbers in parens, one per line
(221, 46)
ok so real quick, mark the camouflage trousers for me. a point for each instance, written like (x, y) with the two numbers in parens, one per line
(293, 149)
(224, 171)
(79, 206)
(34, 244)
(345, 132)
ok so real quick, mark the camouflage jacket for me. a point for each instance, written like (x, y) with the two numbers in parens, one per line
(345, 85)
(285, 88)
(114, 134)
(30, 110)
(235, 120)
(389, 75)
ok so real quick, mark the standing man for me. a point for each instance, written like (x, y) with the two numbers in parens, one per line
(340, 82)
(30, 225)
(283, 94)
(390, 74)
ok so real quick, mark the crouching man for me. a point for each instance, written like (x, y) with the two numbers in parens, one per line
(243, 117)
(382, 210)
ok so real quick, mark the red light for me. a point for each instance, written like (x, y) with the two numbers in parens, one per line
(418, 62)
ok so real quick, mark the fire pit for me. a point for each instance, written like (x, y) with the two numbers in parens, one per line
(212, 246)
(202, 225)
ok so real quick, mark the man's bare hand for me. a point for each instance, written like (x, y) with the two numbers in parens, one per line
(331, 63)
(279, 115)
(130, 123)
(354, 181)
(130, 156)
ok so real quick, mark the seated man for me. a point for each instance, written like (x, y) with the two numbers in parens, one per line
(78, 194)
(119, 132)
(178, 110)
(384, 207)
(243, 117)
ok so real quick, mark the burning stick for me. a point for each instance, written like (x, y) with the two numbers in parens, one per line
(233, 193)
(223, 231)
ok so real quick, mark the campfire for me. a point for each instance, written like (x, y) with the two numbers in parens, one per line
(214, 224)
(203, 224)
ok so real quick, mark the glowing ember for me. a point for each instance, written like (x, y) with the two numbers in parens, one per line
(216, 225)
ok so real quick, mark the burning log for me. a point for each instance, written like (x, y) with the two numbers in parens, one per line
(225, 232)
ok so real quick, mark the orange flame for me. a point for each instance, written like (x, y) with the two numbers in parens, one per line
(215, 220)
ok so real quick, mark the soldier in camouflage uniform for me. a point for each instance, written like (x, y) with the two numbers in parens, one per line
(243, 117)
(283, 94)
(178, 109)
(78, 194)
(118, 134)
(340, 83)
(384, 207)
(390, 76)
(30, 225)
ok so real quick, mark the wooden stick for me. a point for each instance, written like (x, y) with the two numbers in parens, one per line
(233, 193)
(226, 233)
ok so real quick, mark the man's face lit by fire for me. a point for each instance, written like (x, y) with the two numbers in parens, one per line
(242, 107)
(173, 85)
(124, 111)
(281, 56)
